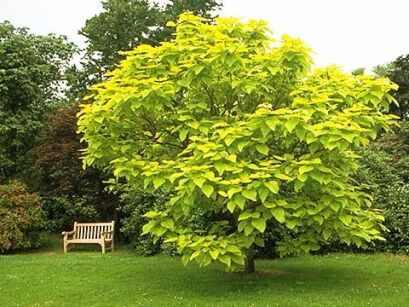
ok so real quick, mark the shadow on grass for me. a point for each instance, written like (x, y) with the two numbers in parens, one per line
(273, 277)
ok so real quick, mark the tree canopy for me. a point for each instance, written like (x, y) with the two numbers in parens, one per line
(31, 74)
(231, 122)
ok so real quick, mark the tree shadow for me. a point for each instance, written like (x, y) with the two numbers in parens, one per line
(215, 282)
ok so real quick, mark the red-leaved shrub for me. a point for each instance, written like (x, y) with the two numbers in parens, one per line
(21, 217)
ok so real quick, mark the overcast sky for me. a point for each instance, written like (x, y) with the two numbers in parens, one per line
(349, 33)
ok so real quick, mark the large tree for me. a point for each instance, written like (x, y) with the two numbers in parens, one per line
(123, 25)
(236, 125)
(31, 77)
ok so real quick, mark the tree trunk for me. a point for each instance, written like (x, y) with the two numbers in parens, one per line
(249, 262)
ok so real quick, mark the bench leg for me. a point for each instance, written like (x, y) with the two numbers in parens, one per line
(103, 247)
(65, 247)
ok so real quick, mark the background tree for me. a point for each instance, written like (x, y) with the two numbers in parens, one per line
(123, 25)
(31, 76)
(383, 70)
(69, 193)
(172, 10)
(399, 74)
(358, 71)
(235, 127)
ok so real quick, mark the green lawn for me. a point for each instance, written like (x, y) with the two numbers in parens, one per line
(88, 278)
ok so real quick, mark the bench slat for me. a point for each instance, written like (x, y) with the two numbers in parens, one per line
(94, 224)
(85, 241)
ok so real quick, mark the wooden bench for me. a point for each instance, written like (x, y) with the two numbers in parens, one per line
(99, 233)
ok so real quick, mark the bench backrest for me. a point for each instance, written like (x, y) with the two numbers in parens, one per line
(92, 231)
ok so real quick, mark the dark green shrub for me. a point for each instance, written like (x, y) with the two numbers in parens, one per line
(395, 202)
(397, 146)
(385, 172)
(21, 217)
(133, 205)
(61, 211)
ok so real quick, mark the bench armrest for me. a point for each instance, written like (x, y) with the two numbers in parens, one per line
(67, 233)
(105, 233)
